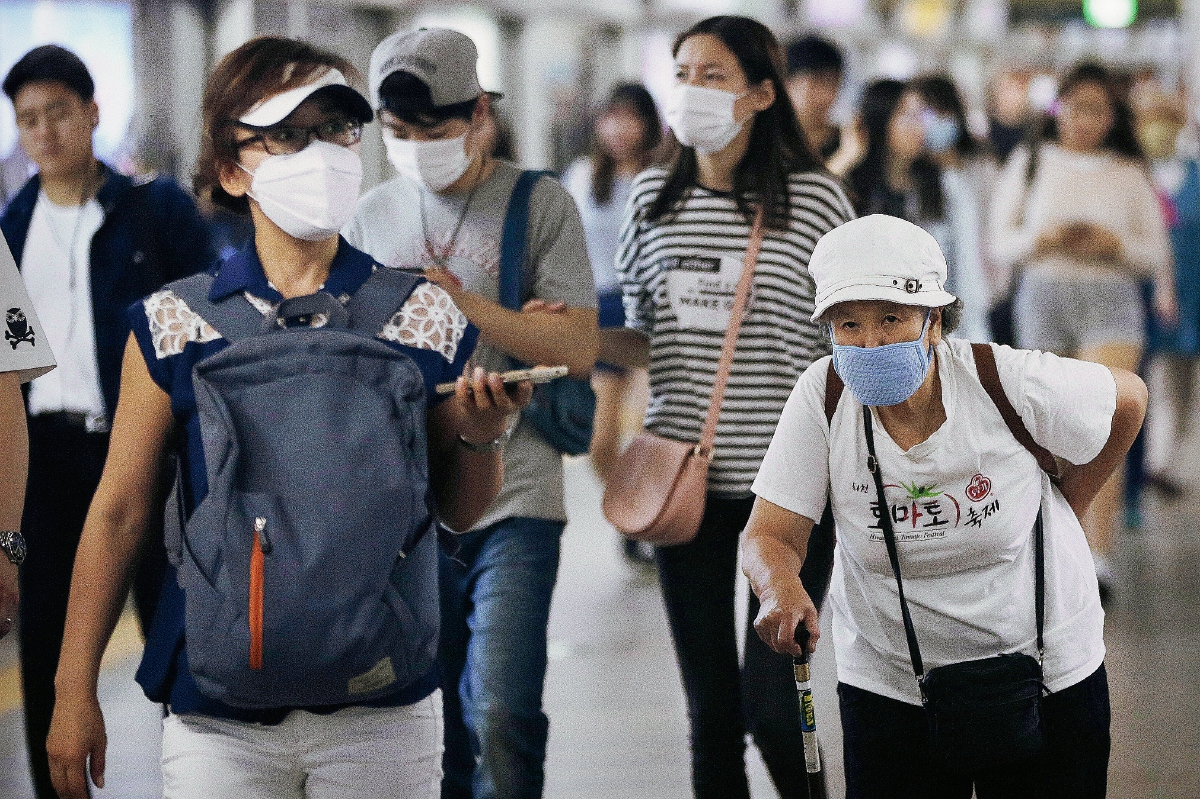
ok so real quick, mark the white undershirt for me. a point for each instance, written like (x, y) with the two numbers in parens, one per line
(55, 266)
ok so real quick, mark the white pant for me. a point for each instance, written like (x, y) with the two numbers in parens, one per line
(353, 753)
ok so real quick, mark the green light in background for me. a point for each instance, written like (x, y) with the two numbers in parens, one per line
(1110, 13)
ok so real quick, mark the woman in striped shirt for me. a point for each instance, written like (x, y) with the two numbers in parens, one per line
(686, 230)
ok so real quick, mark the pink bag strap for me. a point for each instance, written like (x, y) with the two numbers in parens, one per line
(709, 432)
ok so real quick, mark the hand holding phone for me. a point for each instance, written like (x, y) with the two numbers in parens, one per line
(535, 375)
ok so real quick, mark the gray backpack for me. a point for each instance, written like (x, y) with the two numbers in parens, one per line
(309, 574)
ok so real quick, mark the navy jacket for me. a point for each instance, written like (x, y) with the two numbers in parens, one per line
(152, 234)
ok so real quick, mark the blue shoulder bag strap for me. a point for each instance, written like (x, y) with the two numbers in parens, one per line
(233, 317)
(514, 240)
(380, 298)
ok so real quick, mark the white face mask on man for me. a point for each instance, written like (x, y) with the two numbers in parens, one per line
(311, 194)
(702, 117)
(433, 164)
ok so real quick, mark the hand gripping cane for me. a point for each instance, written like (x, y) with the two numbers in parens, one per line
(808, 716)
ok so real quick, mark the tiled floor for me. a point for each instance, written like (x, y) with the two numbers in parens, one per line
(617, 717)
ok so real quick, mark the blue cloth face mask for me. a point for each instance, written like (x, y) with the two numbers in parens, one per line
(885, 375)
(941, 133)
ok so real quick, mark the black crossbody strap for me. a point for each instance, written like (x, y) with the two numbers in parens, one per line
(1039, 578)
(889, 539)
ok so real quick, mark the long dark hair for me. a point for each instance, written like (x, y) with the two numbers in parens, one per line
(1120, 139)
(939, 93)
(632, 96)
(868, 180)
(777, 146)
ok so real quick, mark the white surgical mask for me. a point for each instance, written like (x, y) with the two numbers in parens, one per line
(702, 117)
(433, 164)
(311, 194)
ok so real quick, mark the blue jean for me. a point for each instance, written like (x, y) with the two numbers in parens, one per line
(886, 750)
(495, 594)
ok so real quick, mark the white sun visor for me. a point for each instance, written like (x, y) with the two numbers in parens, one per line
(275, 108)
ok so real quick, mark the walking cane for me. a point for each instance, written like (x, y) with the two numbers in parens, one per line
(808, 717)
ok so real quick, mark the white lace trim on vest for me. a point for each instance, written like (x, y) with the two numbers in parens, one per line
(429, 320)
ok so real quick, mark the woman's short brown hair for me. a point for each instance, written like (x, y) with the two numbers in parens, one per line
(260, 68)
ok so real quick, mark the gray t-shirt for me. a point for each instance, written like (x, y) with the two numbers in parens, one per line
(387, 226)
(24, 348)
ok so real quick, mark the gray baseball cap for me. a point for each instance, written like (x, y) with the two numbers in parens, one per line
(443, 59)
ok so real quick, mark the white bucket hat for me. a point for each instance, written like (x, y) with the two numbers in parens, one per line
(879, 257)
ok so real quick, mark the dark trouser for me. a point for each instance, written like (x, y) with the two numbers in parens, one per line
(698, 591)
(65, 463)
(887, 754)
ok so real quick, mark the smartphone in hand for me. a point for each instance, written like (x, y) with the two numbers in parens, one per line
(535, 375)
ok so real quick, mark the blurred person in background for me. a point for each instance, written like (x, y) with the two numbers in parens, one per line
(89, 241)
(957, 152)
(899, 176)
(627, 132)
(1009, 114)
(1077, 219)
(815, 70)
(686, 226)
(1162, 118)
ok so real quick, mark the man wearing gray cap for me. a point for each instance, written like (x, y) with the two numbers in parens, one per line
(443, 215)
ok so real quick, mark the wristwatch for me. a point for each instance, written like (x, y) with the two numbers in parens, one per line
(13, 544)
(489, 446)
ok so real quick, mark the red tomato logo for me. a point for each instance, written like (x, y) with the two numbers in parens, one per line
(979, 488)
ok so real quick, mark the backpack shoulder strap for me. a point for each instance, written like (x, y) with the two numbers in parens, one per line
(380, 297)
(989, 376)
(514, 239)
(233, 317)
(833, 392)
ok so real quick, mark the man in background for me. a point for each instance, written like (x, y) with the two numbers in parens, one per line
(815, 69)
(88, 242)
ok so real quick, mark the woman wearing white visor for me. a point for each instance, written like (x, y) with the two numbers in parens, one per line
(280, 142)
(956, 548)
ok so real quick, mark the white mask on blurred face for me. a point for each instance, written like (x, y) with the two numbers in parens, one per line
(311, 194)
(702, 117)
(433, 164)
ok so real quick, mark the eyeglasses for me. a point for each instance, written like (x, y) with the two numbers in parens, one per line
(289, 139)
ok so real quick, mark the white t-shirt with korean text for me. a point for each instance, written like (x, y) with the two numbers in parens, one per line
(963, 504)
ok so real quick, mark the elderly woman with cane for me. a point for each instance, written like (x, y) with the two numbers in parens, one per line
(966, 616)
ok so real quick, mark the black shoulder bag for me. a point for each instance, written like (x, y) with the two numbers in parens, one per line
(982, 713)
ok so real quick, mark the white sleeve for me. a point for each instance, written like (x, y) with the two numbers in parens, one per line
(1146, 243)
(1066, 404)
(24, 348)
(577, 180)
(795, 472)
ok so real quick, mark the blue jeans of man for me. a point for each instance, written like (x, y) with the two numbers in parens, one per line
(495, 594)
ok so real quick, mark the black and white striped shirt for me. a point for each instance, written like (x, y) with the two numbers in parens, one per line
(678, 276)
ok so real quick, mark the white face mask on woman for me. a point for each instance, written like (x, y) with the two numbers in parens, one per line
(311, 194)
(702, 117)
(433, 164)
